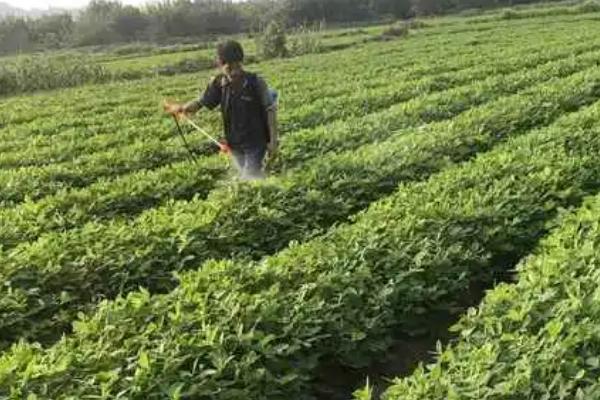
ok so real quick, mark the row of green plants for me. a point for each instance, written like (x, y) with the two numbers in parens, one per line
(447, 74)
(145, 153)
(407, 47)
(478, 26)
(48, 281)
(536, 338)
(31, 73)
(585, 7)
(73, 144)
(72, 127)
(133, 193)
(36, 182)
(438, 106)
(95, 120)
(234, 330)
(95, 136)
(378, 99)
(96, 109)
(43, 72)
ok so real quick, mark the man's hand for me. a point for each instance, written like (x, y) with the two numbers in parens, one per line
(175, 109)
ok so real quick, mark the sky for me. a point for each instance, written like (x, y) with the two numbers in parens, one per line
(45, 4)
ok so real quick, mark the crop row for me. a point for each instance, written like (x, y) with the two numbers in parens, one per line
(460, 24)
(138, 191)
(93, 134)
(295, 117)
(365, 101)
(590, 8)
(96, 111)
(37, 182)
(29, 156)
(48, 281)
(259, 330)
(135, 192)
(348, 134)
(72, 104)
(46, 149)
(411, 48)
(534, 339)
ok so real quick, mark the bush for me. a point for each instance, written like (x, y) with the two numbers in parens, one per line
(305, 41)
(272, 42)
(509, 13)
(133, 48)
(470, 12)
(185, 66)
(416, 24)
(32, 73)
(397, 30)
(589, 7)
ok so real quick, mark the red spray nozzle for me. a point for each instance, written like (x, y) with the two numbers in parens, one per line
(224, 148)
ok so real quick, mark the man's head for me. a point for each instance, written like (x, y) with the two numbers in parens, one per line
(230, 55)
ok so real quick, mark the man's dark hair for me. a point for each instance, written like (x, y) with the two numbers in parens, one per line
(230, 52)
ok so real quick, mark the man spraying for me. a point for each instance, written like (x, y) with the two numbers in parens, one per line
(248, 108)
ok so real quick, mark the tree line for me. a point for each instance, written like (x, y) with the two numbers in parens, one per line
(105, 22)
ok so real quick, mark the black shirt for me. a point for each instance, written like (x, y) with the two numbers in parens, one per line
(244, 110)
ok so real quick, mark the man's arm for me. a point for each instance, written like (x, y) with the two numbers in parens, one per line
(210, 98)
(272, 121)
(191, 107)
(271, 106)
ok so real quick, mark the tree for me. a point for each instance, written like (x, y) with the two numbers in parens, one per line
(52, 31)
(129, 23)
(95, 23)
(396, 8)
(272, 42)
(430, 7)
(108, 21)
(14, 36)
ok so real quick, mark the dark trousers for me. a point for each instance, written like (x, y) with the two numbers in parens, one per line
(249, 161)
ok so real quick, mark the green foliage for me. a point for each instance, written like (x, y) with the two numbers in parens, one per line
(409, 172)
(397, 30)
(185, 66)
(416, 24)
(105, 22)
(589, 6)
(94, 25)
(272, 42)
(365, 393)
(291, 214)
(509, 14)
(304, 40)
(535, 338)
(260, 329)
(32, 73)
(402, 29)
(135, 192)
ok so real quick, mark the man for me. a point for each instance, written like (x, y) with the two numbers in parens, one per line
(248, 109)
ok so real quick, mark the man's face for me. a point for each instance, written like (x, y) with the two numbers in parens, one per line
(231, 70)
(223, 67)
(226, 70)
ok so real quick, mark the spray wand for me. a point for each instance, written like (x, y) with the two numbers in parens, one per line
(171, 109)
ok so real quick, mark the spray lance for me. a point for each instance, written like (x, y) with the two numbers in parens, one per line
(177, 116)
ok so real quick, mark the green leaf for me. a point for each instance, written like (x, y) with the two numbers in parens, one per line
(143, 360)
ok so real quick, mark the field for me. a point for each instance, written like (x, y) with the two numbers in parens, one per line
(450, 175)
